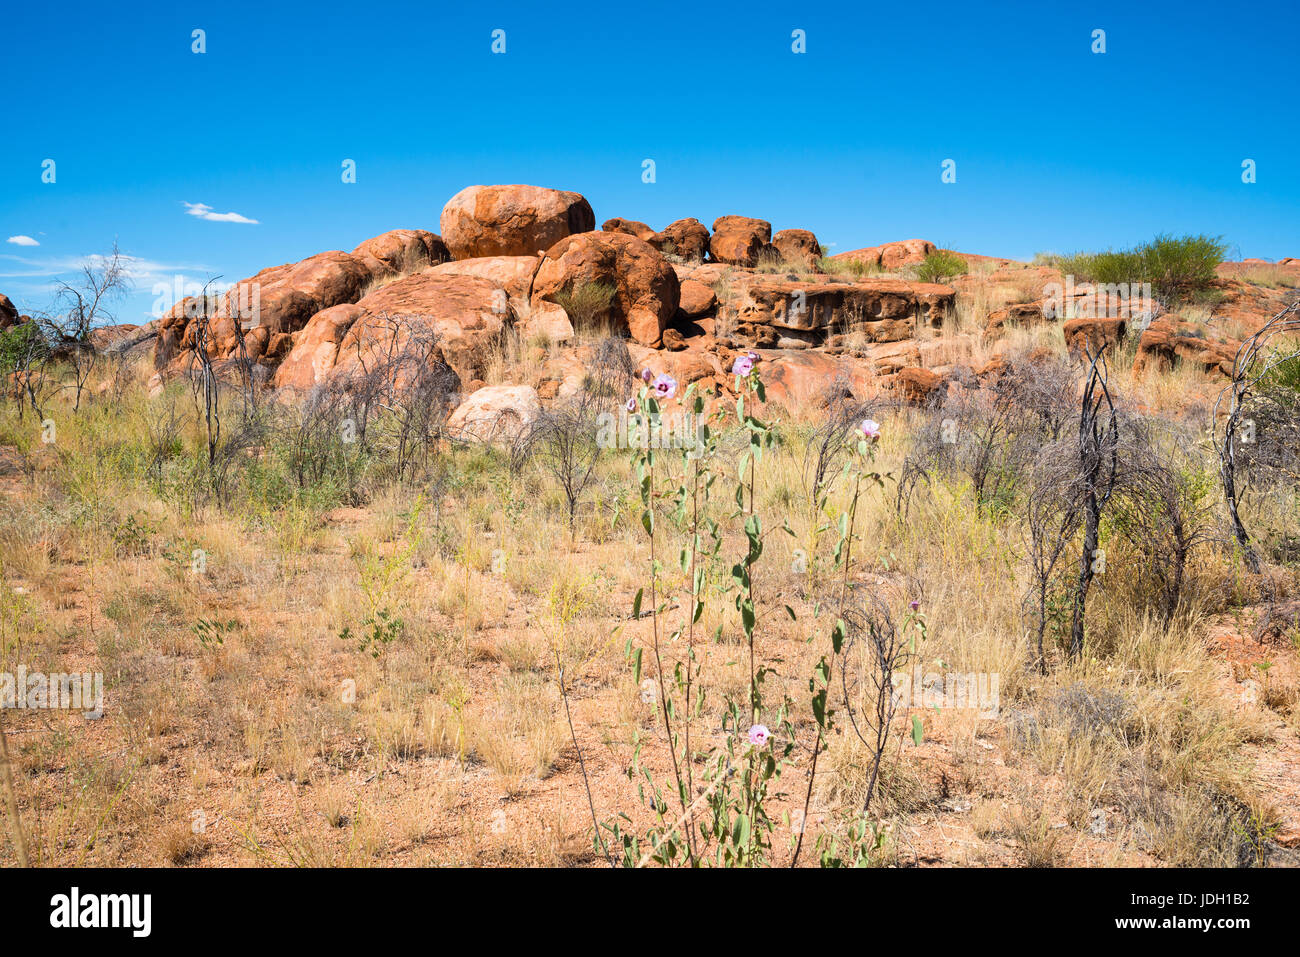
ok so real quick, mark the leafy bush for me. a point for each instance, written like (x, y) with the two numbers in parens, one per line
(940, 266)
(15, 343)
(1176, 267)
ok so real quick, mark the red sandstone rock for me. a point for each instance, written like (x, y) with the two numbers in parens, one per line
(512, 220)
(631, 227)
(797, 246)
(687, 239)
(697, 299)
(739, 240)
(646, 290)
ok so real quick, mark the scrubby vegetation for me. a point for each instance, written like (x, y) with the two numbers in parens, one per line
(333, 635)
(1179, 268)
(941, 266)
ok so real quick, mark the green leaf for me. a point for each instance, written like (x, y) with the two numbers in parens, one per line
(747, 616)
(918, 730)
(740, 832)
(636, 603)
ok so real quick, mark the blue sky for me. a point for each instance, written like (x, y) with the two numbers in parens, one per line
(1056, 148)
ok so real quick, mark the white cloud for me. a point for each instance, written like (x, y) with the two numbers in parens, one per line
(204, 211)
(22, 241)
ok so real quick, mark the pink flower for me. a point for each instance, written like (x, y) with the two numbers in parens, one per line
(759, 735)
(631, 405)
(751, 356)
(646, 375)
(870, 429)
(664, 386)
(915, 604)
(743, 366)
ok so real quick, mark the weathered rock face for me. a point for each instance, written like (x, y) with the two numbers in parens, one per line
(457, 313)
(105, 337)
(739, 240)
(1091, 334)
(270, 305)
(687, 239)
(8, 313)
(646, 290)
(315, 349)
(511, 274)
(837, 317)
(918, 386)
(907, 252)
(1023, 314)
(697, 299)
(1170, 340)
(512, 220)
(497, 413)
(797, 246)
(280, 300)
(629, 226)
(400, 252)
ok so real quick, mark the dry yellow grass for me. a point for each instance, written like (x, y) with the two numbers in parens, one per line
(294, 740)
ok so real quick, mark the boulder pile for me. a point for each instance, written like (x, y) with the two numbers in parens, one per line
(526, 265)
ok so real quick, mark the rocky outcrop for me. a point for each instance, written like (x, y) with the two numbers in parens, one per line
(907, 252)
(512, 220)
(629, 226)
(400, 252)
(836, 317)
(646, 290)
(498, 413)
(797, 246)
(513, 275)
(1021, 314)
(739, 240)
(697, 299)
(918, 386)
(1171, 340)
(279, 301)
(686, 239)
(1091, 334)
(461, 315)
(8, 313)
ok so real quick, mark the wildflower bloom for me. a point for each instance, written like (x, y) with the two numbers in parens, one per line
(664, 386)
(870, 429)
(915, 604)
(751, 356)
(759, 735)
(743, 366)
(646, 375)
(631, 405)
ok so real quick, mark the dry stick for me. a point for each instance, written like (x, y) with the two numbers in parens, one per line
(690, 636)
(582, 765)
(659, 665)
(11, 803)
(688, 813)
(830, 672)
(1241, 383)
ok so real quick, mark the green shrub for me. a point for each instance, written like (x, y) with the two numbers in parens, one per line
(15, 343)
(1176, 267)
(940, 266)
